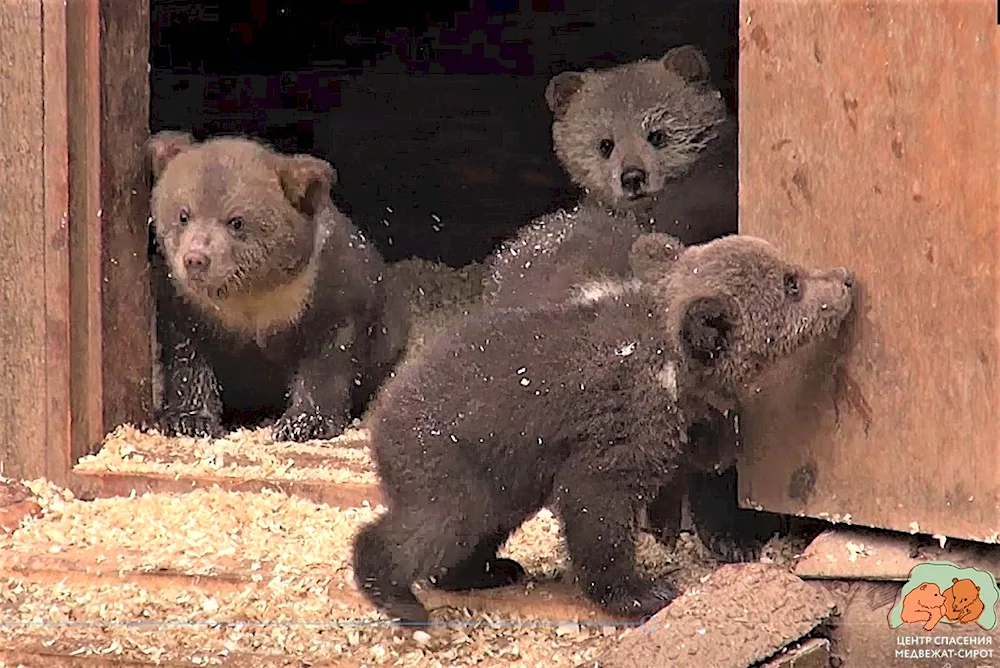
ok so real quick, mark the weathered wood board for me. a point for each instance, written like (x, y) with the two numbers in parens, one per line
(869, 137)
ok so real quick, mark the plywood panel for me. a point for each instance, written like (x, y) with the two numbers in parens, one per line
(869, 138)
(22, 242)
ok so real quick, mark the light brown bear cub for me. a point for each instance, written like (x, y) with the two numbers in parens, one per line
(585, 405)
(266, 292)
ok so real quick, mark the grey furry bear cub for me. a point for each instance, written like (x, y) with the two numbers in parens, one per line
(652, 137)
(654, 148)
(583, 405)
(267, 294)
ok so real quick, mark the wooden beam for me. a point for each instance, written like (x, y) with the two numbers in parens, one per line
(333, 494)
(33, 253)
(126, 307)
(108, 84)
(75, 306)
(82, 38)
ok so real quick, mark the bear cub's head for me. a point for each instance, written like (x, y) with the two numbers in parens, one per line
(625, 132)
(735, 307)
(233, 218)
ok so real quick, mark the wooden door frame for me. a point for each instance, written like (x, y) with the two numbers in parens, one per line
(83, 104)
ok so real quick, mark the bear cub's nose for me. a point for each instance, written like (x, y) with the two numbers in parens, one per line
(634, 180)
(196, 263)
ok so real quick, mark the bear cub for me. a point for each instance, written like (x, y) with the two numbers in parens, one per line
(653, 137)
(553, 254)
(267, 294)
(584, 406)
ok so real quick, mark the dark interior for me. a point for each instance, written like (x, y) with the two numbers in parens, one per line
(433, 116)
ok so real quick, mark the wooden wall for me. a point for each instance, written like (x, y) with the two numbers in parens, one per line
(75, 305)
(869, 137)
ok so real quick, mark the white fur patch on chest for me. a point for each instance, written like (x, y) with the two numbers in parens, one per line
(258, 316)
(667, 378)
(596, 291)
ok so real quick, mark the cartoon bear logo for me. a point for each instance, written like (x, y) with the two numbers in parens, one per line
(925, 605)
(962, 601)
(940, 591)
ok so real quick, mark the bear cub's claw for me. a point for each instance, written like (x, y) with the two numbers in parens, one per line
(189, 423)
(301, 427)
(642, 601)
(493, 574)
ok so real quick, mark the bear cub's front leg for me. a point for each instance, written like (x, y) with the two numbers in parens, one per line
(597, 518)
(321, 391)
(192, 403)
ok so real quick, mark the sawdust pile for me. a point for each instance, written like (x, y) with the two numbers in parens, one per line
(213, 574)
(242, 454)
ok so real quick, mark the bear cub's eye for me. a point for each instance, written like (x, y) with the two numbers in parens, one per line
(184, 217)
(236, 223)
(606, 147)
(658, 138)
(792, 290)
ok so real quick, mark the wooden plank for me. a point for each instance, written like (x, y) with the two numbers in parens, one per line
(740, 616)
(334, 494)
(83, 86)
(23, 411)
(41, 652)
(93, 567)
(813, 653)
(57, 241)
(126, 300)
(868, 554)
(873, 143)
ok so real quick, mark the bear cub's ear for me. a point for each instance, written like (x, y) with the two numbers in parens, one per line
(164, 146)
(707, 330)
(306, 180)
(653, 256)
(689, 62)
(561, 89)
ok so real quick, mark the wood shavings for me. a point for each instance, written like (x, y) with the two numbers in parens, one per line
(300, 608)
(855, 550)
(243, 454)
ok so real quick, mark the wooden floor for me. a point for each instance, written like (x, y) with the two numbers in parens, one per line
(89, 568)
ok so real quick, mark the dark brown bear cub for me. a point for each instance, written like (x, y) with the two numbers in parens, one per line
(583, 405)
(266, 291)
(555, 253)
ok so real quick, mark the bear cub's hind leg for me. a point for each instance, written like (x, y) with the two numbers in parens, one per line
(376, 574)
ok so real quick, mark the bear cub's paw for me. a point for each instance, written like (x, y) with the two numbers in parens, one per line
(641, 600)
(732, 534)
(189, 423)
(499, 572)
(300, 427)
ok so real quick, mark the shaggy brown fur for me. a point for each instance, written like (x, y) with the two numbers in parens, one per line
(555, 253)
(585, 253)
(653, 137)
(582, 405)
(271, 291)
